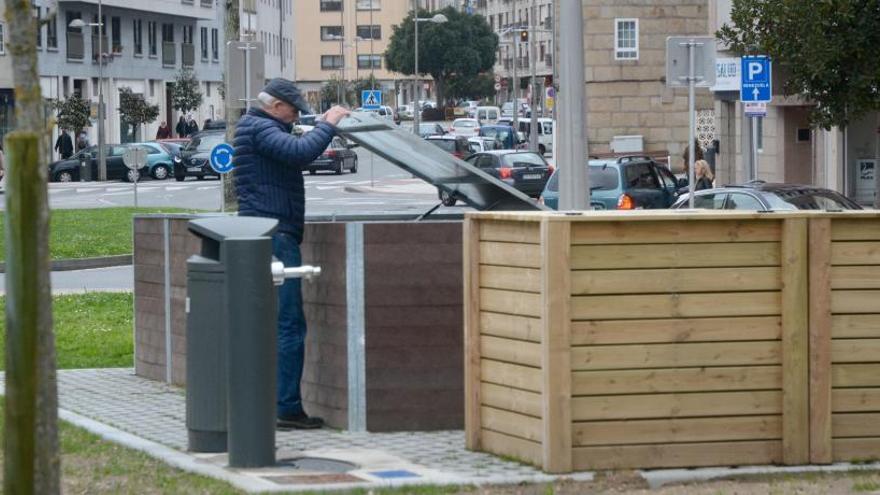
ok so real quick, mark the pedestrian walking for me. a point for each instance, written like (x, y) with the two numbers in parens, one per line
(192, 127)
(180, 128)
(64, 145)
(268, 162)
(703, 175)
(82, 141)
(164, 131)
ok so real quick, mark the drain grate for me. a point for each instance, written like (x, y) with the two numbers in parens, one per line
(317, 464)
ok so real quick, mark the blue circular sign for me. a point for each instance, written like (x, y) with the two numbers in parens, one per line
(221, 158)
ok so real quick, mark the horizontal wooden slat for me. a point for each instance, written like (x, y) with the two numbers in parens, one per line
(523, 450)
(855, 277)
(527, 233)
(676, 330)
(674, 232)
(676, 405)
(510, 375)
(510, 326)
(511, 423)
(855, 351)
(677, 430)
(855, 301)
(855, 449)
(511, 351)
(855, 375)
(676, 380)
(844, 229)
(510, 254)
(678, 455)
(510, 302)
(623, 357)
(622, 307)
(634, 256)
(855, 425)
(855, 400)
(511, 399)
(855, 253)
(855, 326)
(510, 278)
(675, 280)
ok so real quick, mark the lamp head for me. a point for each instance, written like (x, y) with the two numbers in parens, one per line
(77, 24)
(439, 19)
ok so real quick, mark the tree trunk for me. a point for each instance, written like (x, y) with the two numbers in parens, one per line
(32, 464)
(439, 88)
(233, 30)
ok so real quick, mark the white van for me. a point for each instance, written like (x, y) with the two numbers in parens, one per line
(545, 133)
(487, 115)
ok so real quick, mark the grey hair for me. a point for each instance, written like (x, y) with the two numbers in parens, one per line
(266, 99)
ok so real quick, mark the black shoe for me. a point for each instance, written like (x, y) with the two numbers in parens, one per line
(300, 421)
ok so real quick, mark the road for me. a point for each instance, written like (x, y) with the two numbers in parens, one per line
(119, 278)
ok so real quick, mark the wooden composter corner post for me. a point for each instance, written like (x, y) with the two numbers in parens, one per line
(471, 267)
(820, 340)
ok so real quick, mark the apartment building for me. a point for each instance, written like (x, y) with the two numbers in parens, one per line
(271, 22)
(7, 98)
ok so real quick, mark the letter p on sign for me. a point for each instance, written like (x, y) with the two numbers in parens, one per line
(755, 71)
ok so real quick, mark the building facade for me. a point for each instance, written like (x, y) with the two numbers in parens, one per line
(271, 22)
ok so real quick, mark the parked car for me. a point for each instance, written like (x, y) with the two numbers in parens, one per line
(337, 158)
(625, 183)
(383, 111)
(522, 108)
(160, 159)
(215, 125)
(504, 134)
(545, 133)
(525, 170)
(465, 127)
(431, 129)
(456, 145)
(193, 158)
(69, 170)
(487, 115)
(762, 196)
(405, 112)
(480, 144)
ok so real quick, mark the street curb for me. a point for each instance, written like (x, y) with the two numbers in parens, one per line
(373, 190)
(85, 263)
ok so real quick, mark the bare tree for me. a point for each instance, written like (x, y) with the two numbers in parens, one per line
(31, 463)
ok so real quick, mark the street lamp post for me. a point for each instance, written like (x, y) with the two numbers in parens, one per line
(79, 23)
(437, 19)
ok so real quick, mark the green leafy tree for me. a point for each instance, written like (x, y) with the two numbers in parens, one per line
(185, 93)
(134, 109)
(72, 114)
(464, 47)
(364, 84)
(330, 92)
(828, 51)
(472, 87)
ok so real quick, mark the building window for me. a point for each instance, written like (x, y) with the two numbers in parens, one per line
(331, 62)
(331, 33)
(804, 135)
(116, 26)
(369, 32)
(208, 89)
(137, 36)
(167, 33)
(203, 37)
(151, 37)
(331, 5)
(2, 39)
(626, 39)
(369, 5)
(39, 27)
(188, 34)
(369, 61)
(52, 33)
(215, 54)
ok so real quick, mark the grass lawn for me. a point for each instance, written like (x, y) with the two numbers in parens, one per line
(90, 232)
(92, 330)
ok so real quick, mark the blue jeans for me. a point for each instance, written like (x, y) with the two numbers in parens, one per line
(291, 329)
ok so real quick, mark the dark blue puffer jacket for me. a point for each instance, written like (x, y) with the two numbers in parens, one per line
(268, 164)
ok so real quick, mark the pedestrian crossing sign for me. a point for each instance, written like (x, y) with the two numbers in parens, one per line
(371, 99)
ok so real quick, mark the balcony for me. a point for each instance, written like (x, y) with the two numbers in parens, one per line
(176, 8)
(169, 55)
(76, 48)
(106, 46)
(188, 54)
(207, 3)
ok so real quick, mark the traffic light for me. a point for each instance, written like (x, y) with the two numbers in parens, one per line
(524, 36)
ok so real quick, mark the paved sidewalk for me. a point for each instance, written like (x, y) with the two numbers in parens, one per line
(412, 187)
(150, 416)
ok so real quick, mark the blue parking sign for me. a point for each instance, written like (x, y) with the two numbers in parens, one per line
(757, 77)
(371, 99)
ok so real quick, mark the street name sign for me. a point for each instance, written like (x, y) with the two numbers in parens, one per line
(371, 99)
(221, 158)
(756, 85)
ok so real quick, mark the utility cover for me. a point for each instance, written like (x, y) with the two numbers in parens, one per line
(433, 165)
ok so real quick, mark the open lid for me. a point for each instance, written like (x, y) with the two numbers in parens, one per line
(433, 165)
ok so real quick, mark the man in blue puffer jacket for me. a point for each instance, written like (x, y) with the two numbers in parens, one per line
(268, 162)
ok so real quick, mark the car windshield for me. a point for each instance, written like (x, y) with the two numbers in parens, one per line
(464, 123)
(444, 144)
(205, 142)
(809, 200)
(515, 160)
(602, 178)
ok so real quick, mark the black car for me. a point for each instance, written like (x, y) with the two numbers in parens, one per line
(69, 170)
(526, 171)
(337, 158)
(193, 158)
(762, 196)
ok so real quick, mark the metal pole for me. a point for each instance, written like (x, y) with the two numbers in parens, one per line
(341, 94)
(574, 185)
(753, 170)
(102, 155)
(515, 87)
(691, 82)
(533, 61)
(417, 108)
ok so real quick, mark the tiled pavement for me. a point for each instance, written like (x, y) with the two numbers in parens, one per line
(156, 412)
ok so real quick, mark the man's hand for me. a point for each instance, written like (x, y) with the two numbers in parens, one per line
(335, 114)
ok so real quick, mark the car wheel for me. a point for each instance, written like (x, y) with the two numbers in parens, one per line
(161, 172)
(447, 199)
(354, 168)
(132, 175)
(64, 176)
(542, 149)
(338, 169)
